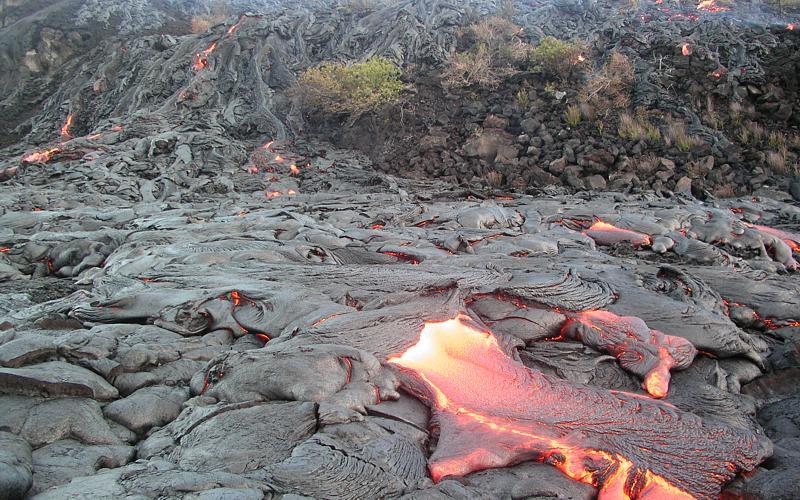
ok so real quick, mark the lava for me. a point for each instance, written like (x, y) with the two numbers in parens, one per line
(404, 257)
(607, 234)
(65, 133)
(40, 156)
(686, 49)
(648, 353)
(711, 6)
(201, 58)
(790, 26)
(791, 239)
(294, 169)
(493, 412)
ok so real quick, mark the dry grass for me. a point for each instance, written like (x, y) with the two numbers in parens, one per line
(776, 160)
(496, 48)
(218, 15)
(610, 87)
(522, 99)
(676, 135)
(757, 132)
(572, 115)
(776, 139)
(637, 128)
(466, 69)
(502, 39)
(710, 115)
(736, 113)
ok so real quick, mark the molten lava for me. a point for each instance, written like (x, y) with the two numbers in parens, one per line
(791, 239)
(40, 156)
(201, 58)
(686, 49)
(493, 412)
(65, 134)
(607, 234)
(711, 6)
(647, 353)
(790, 26)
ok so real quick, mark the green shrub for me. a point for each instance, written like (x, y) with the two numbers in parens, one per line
(352, 89)
(557, 58)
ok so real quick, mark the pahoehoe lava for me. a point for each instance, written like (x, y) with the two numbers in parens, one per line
(514, 275)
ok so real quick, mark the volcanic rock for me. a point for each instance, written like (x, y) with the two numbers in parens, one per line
(53, 379)
(16, 469)
(147, 407)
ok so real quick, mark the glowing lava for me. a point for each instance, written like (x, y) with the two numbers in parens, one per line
(790, 26)
(686, 49)
(201, 58)
(493, 412)
(645, 352)
(607, 234)
(40, 156)
(711, 6)
(65, 134)
(791, 239)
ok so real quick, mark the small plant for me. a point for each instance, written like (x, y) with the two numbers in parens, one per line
(351, 89)
(757, 131)
(678, 136)
(743, 134)
(557, 58)
(523, 100)
(776, 160)
(501, 37)
(473, 68)
(776, 139)
(637, 128)
(736, 113)
(495, 50)
(601, 127)
(609, 87)
(572, 115)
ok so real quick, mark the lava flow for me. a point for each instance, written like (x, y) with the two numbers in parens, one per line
(711, 6)
(65, 133)
(40, 156)
(493, 412)
(607, 234)
(647, 353)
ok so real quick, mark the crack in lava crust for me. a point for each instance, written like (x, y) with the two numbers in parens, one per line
(494, 412)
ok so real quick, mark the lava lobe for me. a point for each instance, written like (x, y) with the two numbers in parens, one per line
(493, 411)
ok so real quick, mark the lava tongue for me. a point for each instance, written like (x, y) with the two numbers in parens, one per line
(494, 412)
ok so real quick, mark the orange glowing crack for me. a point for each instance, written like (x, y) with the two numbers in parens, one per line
(493, 412)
